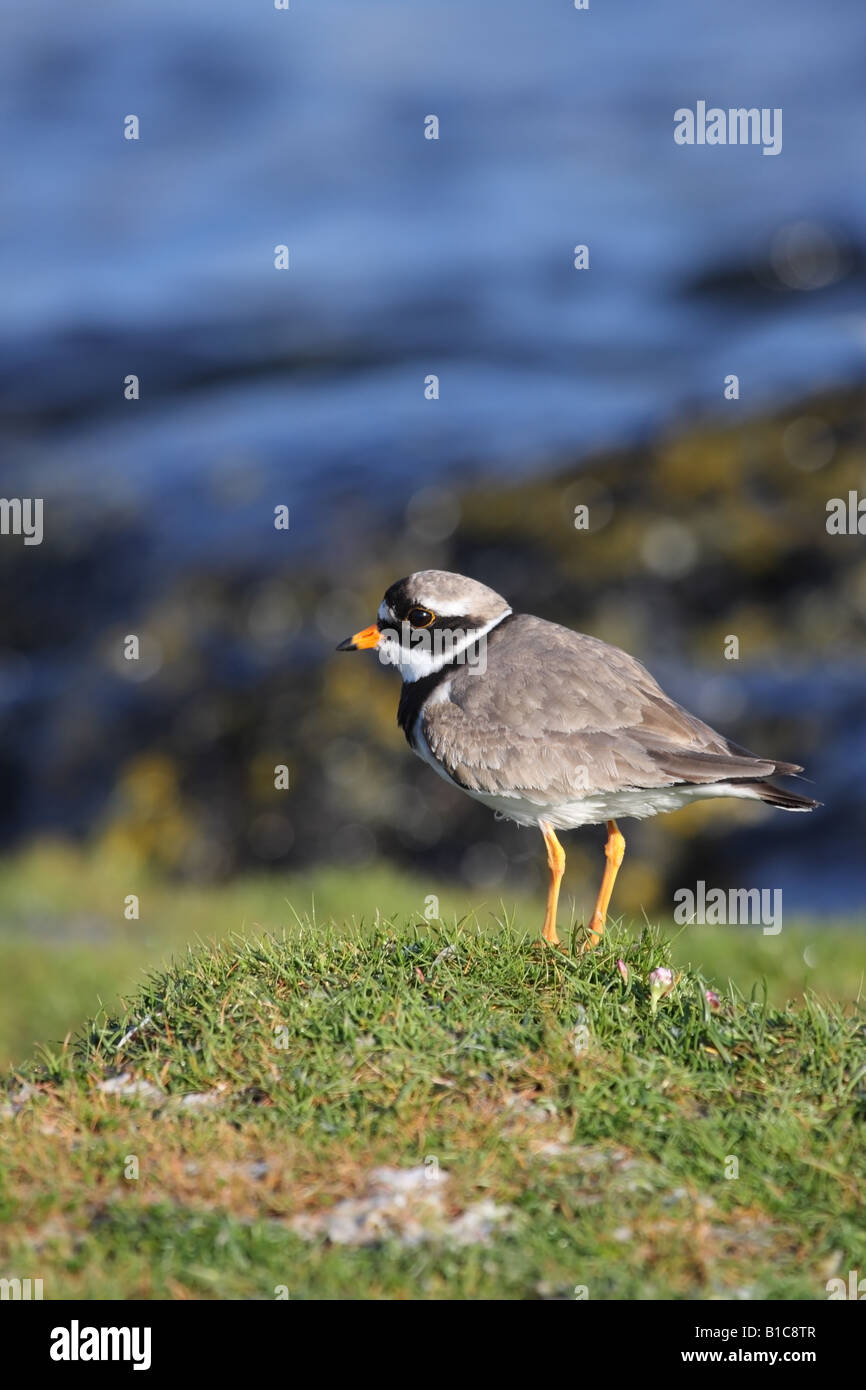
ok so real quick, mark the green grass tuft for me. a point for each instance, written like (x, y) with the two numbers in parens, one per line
(590, 1138)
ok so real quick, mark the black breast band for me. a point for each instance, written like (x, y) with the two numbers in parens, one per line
(414, 694)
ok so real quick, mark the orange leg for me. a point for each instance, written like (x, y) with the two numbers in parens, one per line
(614, 851)
(556, 864)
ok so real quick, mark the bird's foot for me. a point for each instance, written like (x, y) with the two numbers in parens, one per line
(594, 933)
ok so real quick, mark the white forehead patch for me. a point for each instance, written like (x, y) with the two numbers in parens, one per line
(446, 608)
(455, 608)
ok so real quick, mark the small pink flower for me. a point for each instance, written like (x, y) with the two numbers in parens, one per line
(661, 982)
(660, 979)
(623, 969)
(712, 999)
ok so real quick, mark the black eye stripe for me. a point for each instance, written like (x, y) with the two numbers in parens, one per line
(465, 623)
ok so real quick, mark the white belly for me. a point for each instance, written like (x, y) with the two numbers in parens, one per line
(592, 809)
(602, 806)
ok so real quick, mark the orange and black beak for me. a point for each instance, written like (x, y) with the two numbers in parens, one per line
(369, 637)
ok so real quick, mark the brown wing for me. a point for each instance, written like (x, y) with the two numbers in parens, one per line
(561, 714)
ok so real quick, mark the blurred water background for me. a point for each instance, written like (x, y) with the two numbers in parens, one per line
(306, 387)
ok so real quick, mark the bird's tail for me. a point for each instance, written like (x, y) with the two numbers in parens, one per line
(779, 796)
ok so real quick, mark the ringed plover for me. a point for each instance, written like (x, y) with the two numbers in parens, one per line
(547, 726)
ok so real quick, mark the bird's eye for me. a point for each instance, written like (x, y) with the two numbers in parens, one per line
(421, 617)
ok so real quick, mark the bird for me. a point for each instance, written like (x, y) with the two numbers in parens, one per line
(549, 727)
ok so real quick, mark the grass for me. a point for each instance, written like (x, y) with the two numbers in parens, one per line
(577, 1137)
(66, 947)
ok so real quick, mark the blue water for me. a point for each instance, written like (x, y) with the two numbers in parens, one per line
(407, 256)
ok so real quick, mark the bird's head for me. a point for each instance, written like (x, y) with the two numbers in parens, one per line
(429, 619)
